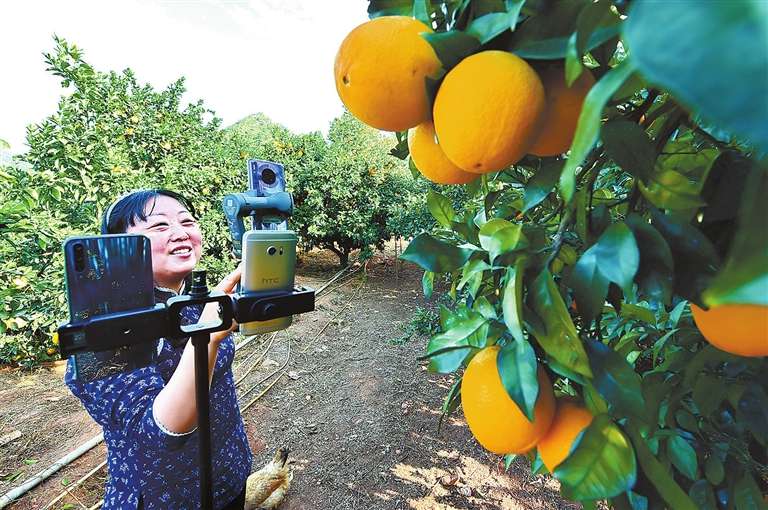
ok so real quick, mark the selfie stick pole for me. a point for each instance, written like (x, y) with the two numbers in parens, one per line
(200, 343)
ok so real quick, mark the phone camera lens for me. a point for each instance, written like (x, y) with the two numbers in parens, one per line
(79, 250)
(268, 176)
(271, 250)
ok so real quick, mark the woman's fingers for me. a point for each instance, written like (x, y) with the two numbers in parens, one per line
(231, 280)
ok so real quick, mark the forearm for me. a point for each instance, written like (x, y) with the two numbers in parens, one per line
(175, 407)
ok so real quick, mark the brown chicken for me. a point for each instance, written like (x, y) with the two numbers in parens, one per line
(266, 488)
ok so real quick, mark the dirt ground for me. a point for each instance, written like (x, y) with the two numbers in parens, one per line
(357, 409)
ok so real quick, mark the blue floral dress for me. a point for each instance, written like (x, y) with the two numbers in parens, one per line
(149, 466)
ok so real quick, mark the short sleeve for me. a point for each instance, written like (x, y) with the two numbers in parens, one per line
(123, 402)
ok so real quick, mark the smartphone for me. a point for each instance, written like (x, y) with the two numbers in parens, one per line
(269, 262)
(107, 274)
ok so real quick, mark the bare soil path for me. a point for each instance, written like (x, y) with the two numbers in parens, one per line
(357, 409)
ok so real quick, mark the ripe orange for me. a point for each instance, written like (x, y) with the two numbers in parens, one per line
(430, 159)
(494, 418)
(570, 419)
(561, 114)
(380, 70)
(738, 329)
(487, 111)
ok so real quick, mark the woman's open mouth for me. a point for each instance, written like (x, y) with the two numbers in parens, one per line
(182, 251)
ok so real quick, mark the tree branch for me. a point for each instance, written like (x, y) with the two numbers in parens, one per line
(557, 240)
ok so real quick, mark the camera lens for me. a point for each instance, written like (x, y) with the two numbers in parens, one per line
(271, 250)
(79, 250)
(268, 176)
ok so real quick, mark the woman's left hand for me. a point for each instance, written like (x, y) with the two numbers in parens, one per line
(230, 281)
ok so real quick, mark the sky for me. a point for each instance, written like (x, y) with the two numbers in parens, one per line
(239, 56)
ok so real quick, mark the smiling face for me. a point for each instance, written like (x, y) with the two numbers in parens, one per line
(175, 238)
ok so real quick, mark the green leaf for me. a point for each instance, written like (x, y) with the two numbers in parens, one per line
(446, 351)
(747, 495)
(708, 392)
(558, 338)
(638, 312)
(629, 146)
(513, 9)
(471, 269)
(589, 286)
(421, 11)
(686, 420)
(679, 176)
(601, 466)
(412, 167)
(655, 273)
(588, 127)
(593, 15)
(573, 61)
(702, 494)
(683, 456)
(451, 47)
(400, 151)
(4, 145)
(428, 283)
(698, 58)
(434, 255)
(545, 35)
(667, 188)
(593, 401)
(484, 307)
(659, 476)
(517, 368)
(499, 236)
(541, 184)
(616, 381)
(753, 411)
(744, 279)
(512, 299)
(441, 208)
(450, 359)
(616, 254)
(378, 8)
(489, 26)
(714, 470)
(695, 259)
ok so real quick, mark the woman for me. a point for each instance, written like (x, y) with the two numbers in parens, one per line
(148, 411)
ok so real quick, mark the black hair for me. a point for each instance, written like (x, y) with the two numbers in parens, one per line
(129, 209)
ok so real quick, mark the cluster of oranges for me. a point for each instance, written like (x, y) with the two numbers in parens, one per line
(491, 109)
(501, 427)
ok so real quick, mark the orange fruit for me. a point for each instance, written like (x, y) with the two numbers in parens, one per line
(51, 351)
(487, 111)
(430, 159)
(570, 419)
(55, 338)
(738, 329)
(380, 70)
(562, 110)
(493, 417)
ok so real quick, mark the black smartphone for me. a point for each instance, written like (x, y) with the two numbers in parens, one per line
(107, 274)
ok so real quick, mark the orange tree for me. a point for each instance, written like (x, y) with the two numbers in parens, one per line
(621, 152)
